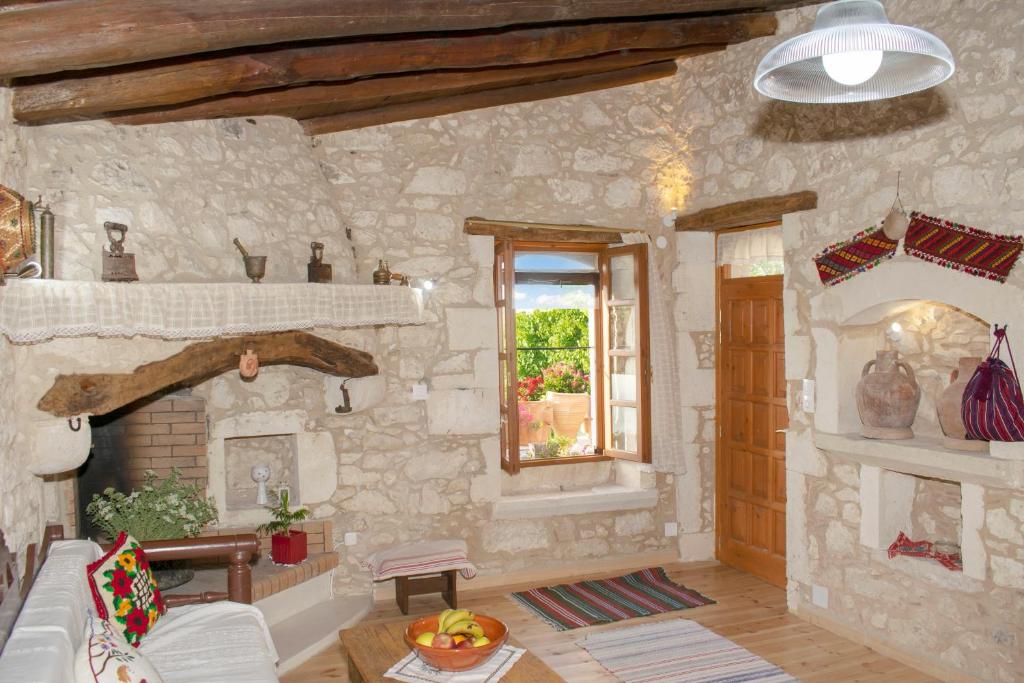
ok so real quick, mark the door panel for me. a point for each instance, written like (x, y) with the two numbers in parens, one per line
(751, 463)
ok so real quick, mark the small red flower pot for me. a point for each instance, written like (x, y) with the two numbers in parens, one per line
(290, 548)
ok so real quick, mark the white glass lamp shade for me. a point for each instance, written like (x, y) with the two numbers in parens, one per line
(853, 55)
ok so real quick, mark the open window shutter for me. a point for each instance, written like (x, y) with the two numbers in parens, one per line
(625, 353)
(504, 283)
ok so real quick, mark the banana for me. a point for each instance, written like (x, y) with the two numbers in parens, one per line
(466, 627)
(441, 619)
(452, 617)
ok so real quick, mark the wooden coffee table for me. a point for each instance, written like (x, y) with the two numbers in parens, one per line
(372, 649)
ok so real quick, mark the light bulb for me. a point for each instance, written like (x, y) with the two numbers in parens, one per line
(852, 68)
(428, 284)
(895, 332)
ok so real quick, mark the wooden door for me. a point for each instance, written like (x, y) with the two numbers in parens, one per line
(751, 461)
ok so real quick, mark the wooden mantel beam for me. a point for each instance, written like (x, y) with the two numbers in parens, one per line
(316, 100)
(79, 34)
(543, 232)
(177, 81)
(451, 104)
(101, 393)
(748, 212)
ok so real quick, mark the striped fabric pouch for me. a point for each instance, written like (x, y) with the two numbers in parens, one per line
(993, 407)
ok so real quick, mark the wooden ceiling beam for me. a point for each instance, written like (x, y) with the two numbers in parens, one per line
(313, 101)
(179, 81)
(439, 106)
(80, 34)
(747, 212)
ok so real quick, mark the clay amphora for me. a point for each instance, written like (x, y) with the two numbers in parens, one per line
(887, 399)
(950, 403)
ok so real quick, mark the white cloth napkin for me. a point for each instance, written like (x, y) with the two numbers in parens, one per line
(414, 670)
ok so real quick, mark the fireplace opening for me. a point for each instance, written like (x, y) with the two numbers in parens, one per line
(157, 433)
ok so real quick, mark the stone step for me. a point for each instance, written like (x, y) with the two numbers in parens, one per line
(302, 635)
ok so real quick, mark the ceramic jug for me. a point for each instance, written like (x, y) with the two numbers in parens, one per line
(887, 399)
(950, 403)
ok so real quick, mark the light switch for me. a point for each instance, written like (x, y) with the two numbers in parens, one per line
(671, 529)
(819, 596)
(351, 538)
(420, 392)
(807, 396)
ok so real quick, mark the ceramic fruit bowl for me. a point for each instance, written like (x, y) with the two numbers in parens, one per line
(456, 659)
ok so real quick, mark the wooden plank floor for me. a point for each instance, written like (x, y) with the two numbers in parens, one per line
(749, 612)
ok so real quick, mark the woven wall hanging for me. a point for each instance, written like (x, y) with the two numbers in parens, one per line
(963, 248)
(864, 251)
(17, 231)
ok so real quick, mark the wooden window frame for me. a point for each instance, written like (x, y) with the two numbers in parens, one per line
(504, 286)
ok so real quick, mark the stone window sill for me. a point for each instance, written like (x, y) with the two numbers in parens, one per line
(605, 498)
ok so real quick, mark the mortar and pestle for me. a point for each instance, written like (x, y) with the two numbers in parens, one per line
(255, 266)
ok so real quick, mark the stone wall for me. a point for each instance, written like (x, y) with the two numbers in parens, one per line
(958, 147)
(185, 191)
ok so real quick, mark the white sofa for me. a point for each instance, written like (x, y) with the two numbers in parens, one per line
(221, 642)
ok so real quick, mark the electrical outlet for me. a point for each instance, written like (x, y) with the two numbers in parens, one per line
(671, 529)
(819, 596)
(420, 392)
(351, 538)
(807, 396)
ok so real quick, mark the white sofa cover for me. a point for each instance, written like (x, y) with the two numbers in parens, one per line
(223, 642)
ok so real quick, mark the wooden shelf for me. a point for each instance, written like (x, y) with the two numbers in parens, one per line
(925, 456)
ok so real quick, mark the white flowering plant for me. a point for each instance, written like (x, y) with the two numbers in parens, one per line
(169, 509)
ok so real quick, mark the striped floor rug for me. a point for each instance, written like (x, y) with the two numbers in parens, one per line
(680, 651)
(640, 594)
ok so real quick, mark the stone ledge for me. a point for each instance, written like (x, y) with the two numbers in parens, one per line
(610, 498)
(925, 457)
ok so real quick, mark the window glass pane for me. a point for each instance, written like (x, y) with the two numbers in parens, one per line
(624, 429)
(622, 269)
(555, 262)
(623, 378)
(752, 253)
(622, 323)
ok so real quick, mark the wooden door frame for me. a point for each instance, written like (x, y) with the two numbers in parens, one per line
(721, 273)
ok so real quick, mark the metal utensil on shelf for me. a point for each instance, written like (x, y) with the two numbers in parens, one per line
(255, 266)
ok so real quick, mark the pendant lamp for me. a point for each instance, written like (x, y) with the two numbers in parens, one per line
(853, 54)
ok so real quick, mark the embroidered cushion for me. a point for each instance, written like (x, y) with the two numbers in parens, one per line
(124, 590)
(106, 657)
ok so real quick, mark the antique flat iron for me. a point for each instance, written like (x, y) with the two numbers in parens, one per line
(118, 265)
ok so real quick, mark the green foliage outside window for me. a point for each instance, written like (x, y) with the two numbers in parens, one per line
(558, 327)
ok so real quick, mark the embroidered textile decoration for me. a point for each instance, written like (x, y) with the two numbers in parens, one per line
(960, 247)
(904, 546)
(124, 590)
(16, 227)
(864, 251)
(105, 657)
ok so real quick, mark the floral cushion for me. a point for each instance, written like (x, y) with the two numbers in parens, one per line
(106, 657)
(124, 590)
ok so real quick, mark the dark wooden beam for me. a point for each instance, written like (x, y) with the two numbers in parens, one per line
(80, 34)
(542, 232)
(312, 101)
(439, 106)
(101, 393)
(179, 81)
(748, 212)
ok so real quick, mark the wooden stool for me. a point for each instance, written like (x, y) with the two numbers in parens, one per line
(424, 584)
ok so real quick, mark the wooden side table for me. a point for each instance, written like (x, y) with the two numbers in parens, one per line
(372, 649)
(424, 584)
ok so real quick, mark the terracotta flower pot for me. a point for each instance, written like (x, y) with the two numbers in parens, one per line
(949, 407)
(887, 399)
(568, 411)
(290, 548)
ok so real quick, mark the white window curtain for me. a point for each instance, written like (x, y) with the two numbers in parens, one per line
(752, 252)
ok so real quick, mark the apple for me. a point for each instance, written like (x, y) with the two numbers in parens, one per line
(466, 644)
(425, 638)
(443, 641)
(480, 642)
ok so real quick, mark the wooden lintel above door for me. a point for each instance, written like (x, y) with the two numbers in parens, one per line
(543, 232)
(747, 212)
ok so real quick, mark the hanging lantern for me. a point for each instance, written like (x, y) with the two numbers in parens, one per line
(853, 55)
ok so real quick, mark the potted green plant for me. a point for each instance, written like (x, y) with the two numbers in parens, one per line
(287, 545)
(165, 510)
